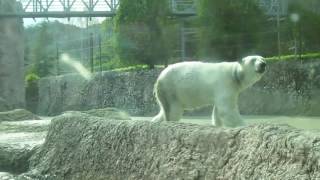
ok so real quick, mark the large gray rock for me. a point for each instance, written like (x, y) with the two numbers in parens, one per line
(4, 106)
(86, 147)
(6, 176)
(17, 115)
(18, 141)
(11, 57)
(20, 135)
(17, 148)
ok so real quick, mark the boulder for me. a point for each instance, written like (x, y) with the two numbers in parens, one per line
(86, 147)
(18, 141)
(17, 115)
(16, 149)
(4, 106)
(24, 126)
(6, 176)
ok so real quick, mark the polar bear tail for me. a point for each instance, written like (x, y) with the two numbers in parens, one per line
(160, 95)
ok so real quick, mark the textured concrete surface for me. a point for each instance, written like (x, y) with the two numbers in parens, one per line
(86, 147)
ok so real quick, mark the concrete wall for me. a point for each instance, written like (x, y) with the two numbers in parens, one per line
(12, 90)
(288, 88)
(130, 91)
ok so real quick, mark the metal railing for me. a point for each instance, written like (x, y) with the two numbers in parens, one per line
(183, 7)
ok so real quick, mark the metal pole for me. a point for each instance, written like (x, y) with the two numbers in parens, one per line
(278, 28)
(91, 52)
(101, 79)
(100, 54)
(57, 60)
(183, 42)
(300, 41)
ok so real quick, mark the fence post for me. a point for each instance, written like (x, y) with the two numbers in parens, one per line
(57, 60)
(278, 29)
(300, 41)
(91, 52)
(100, 54)
(183, 41)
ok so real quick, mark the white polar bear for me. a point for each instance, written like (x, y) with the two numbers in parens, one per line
(188, 85)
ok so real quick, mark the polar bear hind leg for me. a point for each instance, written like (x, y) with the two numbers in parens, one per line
(170, 110)
(216, 121)
(162, 102)
(175, 112)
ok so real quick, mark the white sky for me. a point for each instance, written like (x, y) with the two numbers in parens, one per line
(81, 22)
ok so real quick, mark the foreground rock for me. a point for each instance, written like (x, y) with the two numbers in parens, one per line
(17, 115)
(6, 176)
(85, 147)
(4, 105)
(18, 141)
(16, 149)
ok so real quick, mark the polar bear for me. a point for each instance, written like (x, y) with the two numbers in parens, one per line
(188, 85)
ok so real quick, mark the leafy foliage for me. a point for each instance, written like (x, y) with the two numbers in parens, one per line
(140, 35)
(229, 29)
(42, 57)
(307, 28)
(309, 56)
(30, 78)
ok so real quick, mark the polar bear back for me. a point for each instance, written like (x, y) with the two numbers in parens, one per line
(195, 83)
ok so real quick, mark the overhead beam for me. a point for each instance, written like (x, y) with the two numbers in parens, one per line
(57, 14)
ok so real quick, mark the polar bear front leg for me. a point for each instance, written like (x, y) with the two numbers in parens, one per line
(228, 113)
(175, 112)
(216, 121)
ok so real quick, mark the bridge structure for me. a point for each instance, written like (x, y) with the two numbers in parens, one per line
(83, 8)
(63, 8)
(108, 8)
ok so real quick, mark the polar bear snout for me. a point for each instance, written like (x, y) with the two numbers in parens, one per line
(261, 68)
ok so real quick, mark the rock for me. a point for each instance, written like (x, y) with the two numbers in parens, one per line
(4, 106)
(17, 115)
(24, 126)
(87, 147)
(18, 141)
(6, 176)
(17, 148)
(109, 113)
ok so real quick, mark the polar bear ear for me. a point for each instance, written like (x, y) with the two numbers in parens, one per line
(241, 61)
(237, 74)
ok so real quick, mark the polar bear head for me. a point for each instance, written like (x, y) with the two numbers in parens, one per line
(250, 70)
(254, 64)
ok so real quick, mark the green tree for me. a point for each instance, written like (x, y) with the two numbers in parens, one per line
(140, 37)
(43, 58)
(229, 29)
(307, 26)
